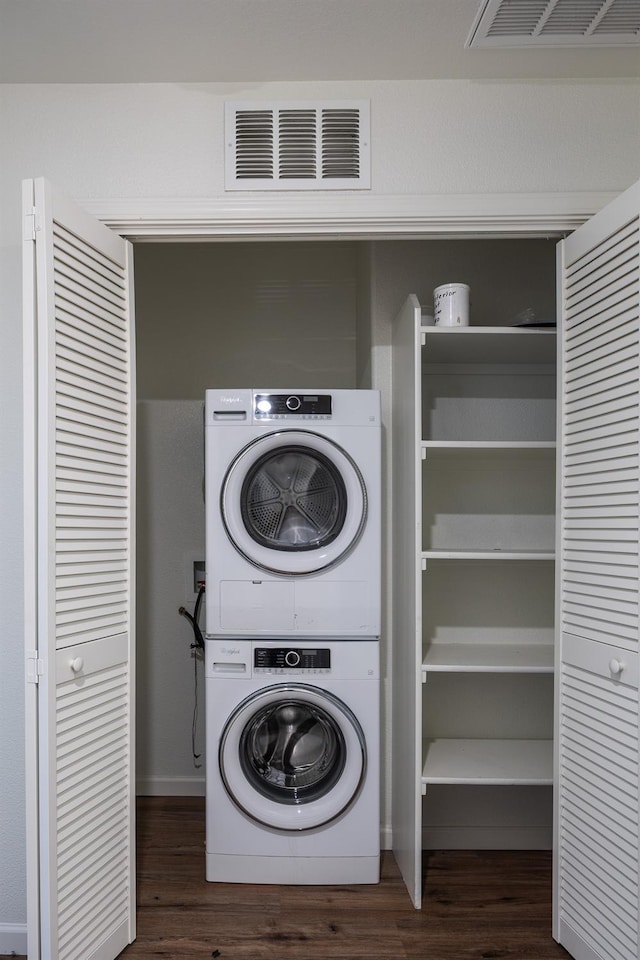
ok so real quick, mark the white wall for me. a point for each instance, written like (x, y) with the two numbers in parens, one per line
(238, 314)
(164, 141)
(170, 536)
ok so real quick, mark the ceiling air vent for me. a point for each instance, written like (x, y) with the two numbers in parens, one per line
(556, 23)
(297, 146)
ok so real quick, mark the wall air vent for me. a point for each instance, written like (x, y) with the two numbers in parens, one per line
(297, 145)
(556, 23)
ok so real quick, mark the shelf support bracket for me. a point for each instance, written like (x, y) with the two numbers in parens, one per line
(423, 789)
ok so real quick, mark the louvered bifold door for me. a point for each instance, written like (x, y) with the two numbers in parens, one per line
(84, 435)
(596, 856)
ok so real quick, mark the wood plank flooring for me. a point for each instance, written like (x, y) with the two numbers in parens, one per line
(477, 905)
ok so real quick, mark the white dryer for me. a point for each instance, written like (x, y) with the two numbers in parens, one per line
(293, 791)
(293, 491)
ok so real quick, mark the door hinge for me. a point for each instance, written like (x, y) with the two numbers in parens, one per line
(29, 227)
(35, 667)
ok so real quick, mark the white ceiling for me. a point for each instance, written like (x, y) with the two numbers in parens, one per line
(253, 41)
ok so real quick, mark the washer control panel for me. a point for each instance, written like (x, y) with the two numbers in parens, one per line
(297, 406)
(280, 660)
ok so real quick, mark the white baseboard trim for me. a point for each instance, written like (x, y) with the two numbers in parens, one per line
(170, 786)
(487, 838)
(386, 837)
(13, 939)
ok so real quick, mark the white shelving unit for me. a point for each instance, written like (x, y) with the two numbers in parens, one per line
(473, 635)
(474, 548)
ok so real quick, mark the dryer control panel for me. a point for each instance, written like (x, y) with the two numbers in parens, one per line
(291, 660)
(299, 406)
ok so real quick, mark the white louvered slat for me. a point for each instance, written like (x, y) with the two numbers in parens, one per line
(109, 509)
(608, 247)
(591, 449)
(101, 560)
(88, 373)
(594, 588)
(94, 301)
(84, 358)
(596, 783)
(75, 383)
(71, 437)
(72, 304)
(608, 451)
(81, 279)
(596, 301)
(94, 463)
(93, 782)
(605, 397)
(602, 328)
(91, 614)
(83, 325)
(94, 358)
(589, 427)
(86, 480)
(597, 857)
(83, 575)
(614, 261)
(85, 474)
(73, 265)
(90, 427)
(85, 400)
(90, 403)
(594, 357)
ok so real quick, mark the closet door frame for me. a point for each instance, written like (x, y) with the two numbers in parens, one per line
(496, 216)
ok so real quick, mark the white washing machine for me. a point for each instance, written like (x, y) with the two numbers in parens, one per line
(293, 791)
(293, 491)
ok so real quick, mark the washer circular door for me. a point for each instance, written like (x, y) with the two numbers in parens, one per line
(293, 502)
(292, 756)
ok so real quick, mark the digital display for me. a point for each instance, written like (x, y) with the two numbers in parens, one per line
(287, 658)
(293, 404)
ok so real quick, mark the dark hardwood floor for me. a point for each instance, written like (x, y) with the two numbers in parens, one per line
(477, 905)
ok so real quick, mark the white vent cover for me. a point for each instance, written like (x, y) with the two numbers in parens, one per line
(556, 23)
(297, 145)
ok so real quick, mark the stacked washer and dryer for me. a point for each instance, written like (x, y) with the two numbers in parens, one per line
(293, 556)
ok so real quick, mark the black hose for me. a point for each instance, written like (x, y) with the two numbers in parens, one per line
(193, 620)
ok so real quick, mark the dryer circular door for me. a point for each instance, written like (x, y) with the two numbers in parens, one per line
(292, 756)
(293, 502)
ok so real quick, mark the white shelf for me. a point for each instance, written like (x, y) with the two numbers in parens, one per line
(494, 345)
(488, 658)
(480, 554)
(450, 449)
(489, 762)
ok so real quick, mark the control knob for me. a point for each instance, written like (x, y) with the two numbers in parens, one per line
(292, 658)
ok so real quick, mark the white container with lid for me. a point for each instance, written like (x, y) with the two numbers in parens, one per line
(451, 305)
